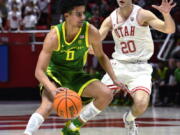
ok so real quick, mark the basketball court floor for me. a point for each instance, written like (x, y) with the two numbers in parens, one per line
(156, 121)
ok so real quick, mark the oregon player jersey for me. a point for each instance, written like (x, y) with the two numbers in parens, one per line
(66, 63)
(70, 55)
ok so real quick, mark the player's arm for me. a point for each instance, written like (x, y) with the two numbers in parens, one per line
(106, 26)
(104, 29)
(95, 41)
(50, 44)
(166, 26)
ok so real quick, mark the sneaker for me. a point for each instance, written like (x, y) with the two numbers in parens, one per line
(67, 131)
(130, 126)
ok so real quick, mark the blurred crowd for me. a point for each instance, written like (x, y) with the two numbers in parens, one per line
(166, 81)
(27, 14)
(39, 14)
(23, 14)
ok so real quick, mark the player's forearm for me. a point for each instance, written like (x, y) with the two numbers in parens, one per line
(169, 25)
(103, 35)
(44, 80)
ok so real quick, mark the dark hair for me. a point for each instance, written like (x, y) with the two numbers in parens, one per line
(68, 5)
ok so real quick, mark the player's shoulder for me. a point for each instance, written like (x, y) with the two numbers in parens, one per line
(52, 35)
(51, 40)
(145, 15)
(144, 12)
(53, 32)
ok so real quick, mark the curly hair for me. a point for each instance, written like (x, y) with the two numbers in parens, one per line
(68, 5)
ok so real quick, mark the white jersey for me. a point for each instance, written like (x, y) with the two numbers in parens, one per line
(132, 41)
(14, 19)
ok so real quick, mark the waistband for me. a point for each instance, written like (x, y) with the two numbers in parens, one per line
(134, 61)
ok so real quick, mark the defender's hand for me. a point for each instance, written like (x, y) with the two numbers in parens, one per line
(165, 6)
(121, 87)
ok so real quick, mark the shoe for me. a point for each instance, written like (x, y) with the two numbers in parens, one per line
(131, 127)
(67, 131)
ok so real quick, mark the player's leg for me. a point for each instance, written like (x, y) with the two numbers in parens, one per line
(38, 117)
(102, 98)
(100, 92)
(140, 89)
(141, 102)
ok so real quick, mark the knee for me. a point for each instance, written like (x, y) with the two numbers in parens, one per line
(106, 95)
(141, 104)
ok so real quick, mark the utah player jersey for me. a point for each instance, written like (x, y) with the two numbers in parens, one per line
(132, 41)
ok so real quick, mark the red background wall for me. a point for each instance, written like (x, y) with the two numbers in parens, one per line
(22, 63)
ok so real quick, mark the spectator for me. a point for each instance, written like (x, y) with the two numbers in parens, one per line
(16, 3)
(170, 79)
(170, 82)
(3, 12)
(14, 19)
(1, 26)
(31, 15)
(31, 8)
(30, 21)
(104, 8)
(96, 20)
(43, 6)
(177, 76)
(160, 77)
(177, 73)
(25, 2)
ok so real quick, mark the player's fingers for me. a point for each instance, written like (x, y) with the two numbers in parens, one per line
(173, 5)
(61, 89)
(170, 2)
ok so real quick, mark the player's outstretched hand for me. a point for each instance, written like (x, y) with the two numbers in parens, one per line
(165, 6)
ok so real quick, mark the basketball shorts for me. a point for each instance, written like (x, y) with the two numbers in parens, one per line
(137, 76)
(74, 80)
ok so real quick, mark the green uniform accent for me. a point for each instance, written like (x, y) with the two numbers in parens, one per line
(177, 75)
(67, 62)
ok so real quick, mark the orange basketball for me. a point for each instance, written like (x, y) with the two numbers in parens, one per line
(67, 104)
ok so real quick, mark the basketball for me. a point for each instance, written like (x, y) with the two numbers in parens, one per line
(67, 104)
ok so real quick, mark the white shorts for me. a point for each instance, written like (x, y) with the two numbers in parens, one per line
(137, 76)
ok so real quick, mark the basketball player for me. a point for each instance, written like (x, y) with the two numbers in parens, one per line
(129, 24)
(61, 62)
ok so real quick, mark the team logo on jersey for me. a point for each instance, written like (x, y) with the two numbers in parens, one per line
(81, 36)
(132, 18)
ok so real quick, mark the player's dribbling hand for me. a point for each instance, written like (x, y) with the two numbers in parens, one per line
(165, 6)
(61, 89)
